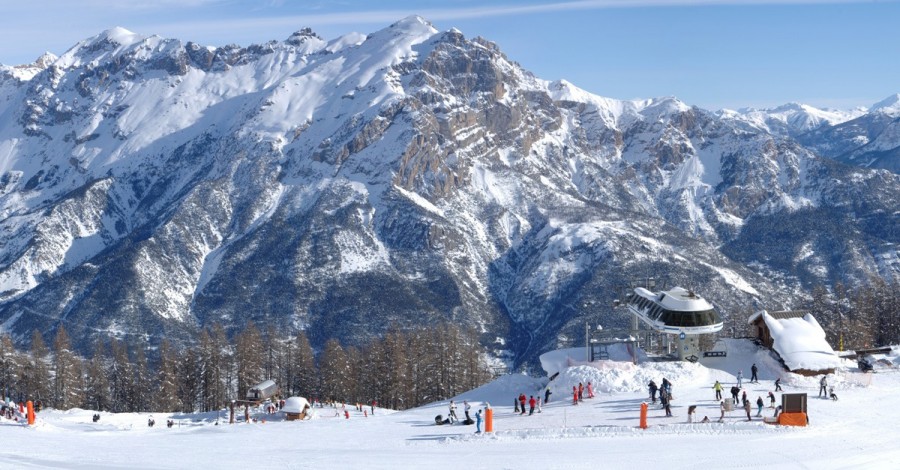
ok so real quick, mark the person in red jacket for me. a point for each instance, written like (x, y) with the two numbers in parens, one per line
(531, 404)
(574, 395)
(522, 402)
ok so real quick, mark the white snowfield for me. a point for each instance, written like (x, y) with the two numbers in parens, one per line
(856, 431)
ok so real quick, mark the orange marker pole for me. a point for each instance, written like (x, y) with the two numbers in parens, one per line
(488, 420)
(644, 415)
(30, 415)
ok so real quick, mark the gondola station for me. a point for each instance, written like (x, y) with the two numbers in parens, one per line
(679, 315)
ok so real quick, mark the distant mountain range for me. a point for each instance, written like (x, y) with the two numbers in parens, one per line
(150, 187)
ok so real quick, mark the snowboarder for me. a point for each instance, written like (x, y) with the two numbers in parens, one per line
(823, 387)
(771, 399)
(653, 388)
(547, 395)
(740, 379)
(778, 384)
(753, 371)
(718, 388)
(759, 406)
(452, 416)
(531, 404)
(478, 422)
(466, 408)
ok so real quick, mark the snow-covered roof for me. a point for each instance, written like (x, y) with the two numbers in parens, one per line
(295, 405)
(800, 342)
(677, 299)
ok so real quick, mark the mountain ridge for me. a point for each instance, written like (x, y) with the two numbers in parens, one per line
(407, 176)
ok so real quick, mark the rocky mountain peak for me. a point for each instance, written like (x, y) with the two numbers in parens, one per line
(889, 105)
(150, 187)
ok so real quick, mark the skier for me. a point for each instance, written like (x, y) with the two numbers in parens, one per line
(771, 399)
(151, 422)
(691, 411)
(478, 422)
(539, 403)
(667, 405)
(722, 408)
(740, 379)
(580, 391)
(759, 406)
(734, 394)
(547, 395)
(667, 386)
(718, 388)
(653, 388)
(778, 384)
(452, 416)
(823, 387)
(516, 404)
(747, 409)
(590, 390)
(753, 371)
(574, 395)
(522, 402)
(466, 408)
(531, 403)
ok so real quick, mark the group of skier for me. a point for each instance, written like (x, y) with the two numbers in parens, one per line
(665, 394)
(533, 403)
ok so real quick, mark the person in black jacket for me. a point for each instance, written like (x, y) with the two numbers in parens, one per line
(753, 371)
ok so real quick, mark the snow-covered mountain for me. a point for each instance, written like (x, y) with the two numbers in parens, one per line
(869, 138)
(149, 187)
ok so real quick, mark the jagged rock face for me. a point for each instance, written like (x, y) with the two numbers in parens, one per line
(151, 188)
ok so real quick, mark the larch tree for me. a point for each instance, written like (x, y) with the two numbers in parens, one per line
(166, 394)
(36, 380)
(249, 359)
(67, 372)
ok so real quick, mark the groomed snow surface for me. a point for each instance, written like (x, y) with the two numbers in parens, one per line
(857, 431)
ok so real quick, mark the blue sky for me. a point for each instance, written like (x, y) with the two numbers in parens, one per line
(709, 53)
